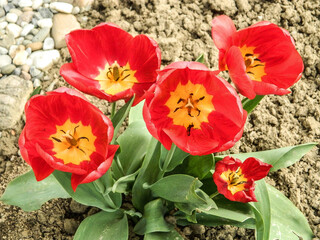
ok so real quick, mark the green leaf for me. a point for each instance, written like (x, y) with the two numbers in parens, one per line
(172, 235)
(104, 226)
(35, 92)
(87, 194)
(287, 221)
(153, 219)
(278, 158)
(122, 185)
(177, 158)
(149, 173)
(249, 105)
(118, 118)
(262, 211)
(196, 166)
(200, 59)
(133, 142)
(29, 194)
(135, 113)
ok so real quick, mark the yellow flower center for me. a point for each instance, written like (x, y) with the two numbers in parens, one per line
(73, 142)
(235, 179)
(254, 66)
(189, 106)
(114, 79)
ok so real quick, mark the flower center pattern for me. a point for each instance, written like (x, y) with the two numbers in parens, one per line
(73, 142)
(114, 79)
(189, 106)
(254, 66)
(235, 180)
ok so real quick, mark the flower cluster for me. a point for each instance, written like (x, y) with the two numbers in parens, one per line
(186, 104)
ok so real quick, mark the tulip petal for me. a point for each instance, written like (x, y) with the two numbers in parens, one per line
(255, 169)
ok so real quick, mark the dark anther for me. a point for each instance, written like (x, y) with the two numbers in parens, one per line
(180, 100)
(75, 129)
(81, 150)
(83, 138)
(176, 109)
(249, 55)
(125, 77)
(250, 72)
(189, 129)
(63, 131)
(258, 65)
(201, 98)
(198, 112)
(239, 183)
(58, 140)
(191, 94)
(257, 59)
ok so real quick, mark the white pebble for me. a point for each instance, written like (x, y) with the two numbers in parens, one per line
(46, 22)
(20, 58)
(11, 17)
(5, 60)
(43, 60)
(3, 51)
(14, 29)
(25, 3)
(13, 50)
(3, 25)
(26, 29)
(48, 43)
(19, 40)
(61, 7)
(36, 83)
(3, 3)
(76, 10)
(37, 3)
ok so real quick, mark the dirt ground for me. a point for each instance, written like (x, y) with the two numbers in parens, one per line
(183, 31)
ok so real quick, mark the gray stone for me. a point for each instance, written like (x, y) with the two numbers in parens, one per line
(8, 69)
(17, 71)
(36, 83)
(45, 13)
(41, 35)
(8, 7)
(14, 93)
(26, 29)
(48, 44)
(7, 41)
(5, 60)
(34, 71)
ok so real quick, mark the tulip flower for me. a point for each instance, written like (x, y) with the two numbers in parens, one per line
(194, 109)
(111, 64)
(235, 180)
(65, 132)
(261, 59)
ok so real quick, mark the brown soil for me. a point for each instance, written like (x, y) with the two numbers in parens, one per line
(182, 29)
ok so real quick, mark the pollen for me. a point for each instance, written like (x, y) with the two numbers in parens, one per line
(73, 142)
(254, 66)
(235, 180)
(115, 78)
(190, 105)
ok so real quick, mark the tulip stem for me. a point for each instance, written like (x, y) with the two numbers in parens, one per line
(168, 158)
(113, 109)
(214, 194)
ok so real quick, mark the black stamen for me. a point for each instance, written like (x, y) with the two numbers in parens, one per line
(239, 183)
(189, 129)
(258, 65)
(82, 150)
(250, 72)
(63, 131)
(126, 77)
(201, 98)
(82, 138)
(257, 59)
(198, 112)
(58, 140)
(176, 109)
(180, 100)
(249, 55)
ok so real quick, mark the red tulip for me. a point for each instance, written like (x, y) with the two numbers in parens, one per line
(261, 59)
(235, 180)
(195, 109)
(65, 132)
(111, 64)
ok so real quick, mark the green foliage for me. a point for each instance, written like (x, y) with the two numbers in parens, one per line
(250, 105)
(118, 118)
(88, 194)
(200, 59)
(135, 113)
(29, 194)
(196, 166)
(36, 91)
(278, 158)
(173, 234)
(104, 226)
(152, 220)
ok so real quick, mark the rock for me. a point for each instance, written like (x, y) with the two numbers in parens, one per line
(75, 10)
(60, 28)
(34, 71)
(77, 207)
(26, 29)
(3, 51)
(7, 41)
(61, 7)
(14, 93)
(17, 71)
(48, 44)
(16, 11)
(70, 225)
(45, 22)
(26, 17)
(2, 12)
(3, 3)
(3, 25)
(198, 229)
(227, 6)
(8, 69)
(84, 4)
(11, 17)
(36, 4)
(45, 13)
(41, 35)
(20, 58)
(5, 60)
(36, 83)
(243, 5)
(43, 60)
(8, 7)
(35, 46)
(14, 29)
(25, 68)
(25, 3)
(25, 75)
(13, 50)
